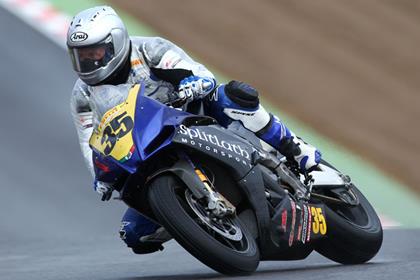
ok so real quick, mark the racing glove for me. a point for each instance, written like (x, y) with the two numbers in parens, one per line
(306, 156)
(104, 189)
(195, 87)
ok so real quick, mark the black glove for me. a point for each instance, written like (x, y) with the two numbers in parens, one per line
(105, 189)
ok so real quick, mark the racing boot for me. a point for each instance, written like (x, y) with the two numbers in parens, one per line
(152, 242)
(295, 149)
(142, 235)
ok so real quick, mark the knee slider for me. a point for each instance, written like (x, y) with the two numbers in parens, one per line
(242, 94)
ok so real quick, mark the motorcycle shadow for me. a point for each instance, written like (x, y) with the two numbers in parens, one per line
(304, 271)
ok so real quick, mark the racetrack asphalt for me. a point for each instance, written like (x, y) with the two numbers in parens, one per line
(52, 224)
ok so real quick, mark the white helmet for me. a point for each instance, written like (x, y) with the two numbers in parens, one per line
(98, 44)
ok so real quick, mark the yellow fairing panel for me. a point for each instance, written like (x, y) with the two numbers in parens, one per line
(114, 137)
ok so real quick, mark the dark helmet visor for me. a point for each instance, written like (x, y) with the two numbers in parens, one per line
(90, 58)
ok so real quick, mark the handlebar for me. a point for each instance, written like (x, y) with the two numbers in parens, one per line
(173, 99)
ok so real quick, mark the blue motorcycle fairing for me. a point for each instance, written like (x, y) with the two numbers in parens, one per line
(150, 118)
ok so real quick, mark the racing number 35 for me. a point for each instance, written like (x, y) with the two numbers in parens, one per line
(319, 224)
(116, 129)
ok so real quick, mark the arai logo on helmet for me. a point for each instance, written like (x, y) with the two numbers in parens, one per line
(78, 36)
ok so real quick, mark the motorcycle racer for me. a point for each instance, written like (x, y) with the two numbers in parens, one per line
(103, 53)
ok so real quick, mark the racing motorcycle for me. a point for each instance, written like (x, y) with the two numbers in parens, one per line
(226, 196)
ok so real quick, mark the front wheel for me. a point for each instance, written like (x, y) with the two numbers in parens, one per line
(223, 244)
(354, 233)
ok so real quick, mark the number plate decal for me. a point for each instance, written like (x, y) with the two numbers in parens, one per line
(319, 223)
(114, 137)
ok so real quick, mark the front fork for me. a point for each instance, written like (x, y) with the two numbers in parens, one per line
(217, 204)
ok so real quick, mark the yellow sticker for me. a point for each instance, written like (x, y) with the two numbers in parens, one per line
(319, 224)
(114, 137)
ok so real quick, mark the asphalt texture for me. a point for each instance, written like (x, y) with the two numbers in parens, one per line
(52, 224)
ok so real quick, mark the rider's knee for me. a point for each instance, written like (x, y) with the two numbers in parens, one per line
(237, 101)
(242, 94)
(244, 106)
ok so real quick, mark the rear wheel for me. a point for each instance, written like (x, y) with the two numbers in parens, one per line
(223, 244)
(354, 233)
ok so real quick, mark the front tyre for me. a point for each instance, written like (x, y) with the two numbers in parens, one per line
(354, 233)
(226, 246)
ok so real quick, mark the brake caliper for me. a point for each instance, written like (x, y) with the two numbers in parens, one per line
(217, 203)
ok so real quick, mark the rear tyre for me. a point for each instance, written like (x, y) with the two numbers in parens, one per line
(225, 246)
(354, 234)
